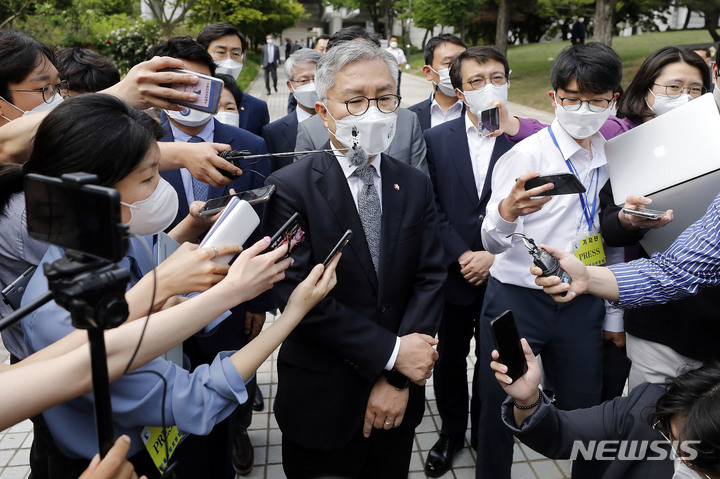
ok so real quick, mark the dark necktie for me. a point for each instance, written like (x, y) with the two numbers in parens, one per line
(370, 212)
(200, 189)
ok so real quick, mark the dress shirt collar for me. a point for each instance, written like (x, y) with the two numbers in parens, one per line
(302, 115)
(471, 129)
(569, 146)
(435, 106)
(207, 133)
(349, 169)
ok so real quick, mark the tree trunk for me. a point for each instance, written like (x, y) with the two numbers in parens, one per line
(425, 38)
(503, 24)
(687, 18)
(711, 23)
(604, 21)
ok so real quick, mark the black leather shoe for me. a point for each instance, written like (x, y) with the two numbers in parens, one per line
(258, 401)
(243, 454)
(439, 460)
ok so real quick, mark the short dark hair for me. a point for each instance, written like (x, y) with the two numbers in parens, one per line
(232, 86)
(695, 396)
(596, 67)
(18, 58)
(212, 32)
(632, 102)
(323, 36)
(86, 70)
(393, 36)
(436, 41)
(479, 54)
(184, 48)
(351, 33)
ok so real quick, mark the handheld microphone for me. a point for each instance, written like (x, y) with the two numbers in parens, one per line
(549, 264)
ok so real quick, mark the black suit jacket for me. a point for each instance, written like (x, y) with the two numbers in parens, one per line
(280, 136)
(460, 209)
(254, 114)
(422, 110)
(330, 362)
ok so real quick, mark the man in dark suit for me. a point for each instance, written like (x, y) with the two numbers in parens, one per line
(281, 135)
(351, 375)
(461, 163)
(270, 59)
(227, 45)
(443, 104)
(227, 449)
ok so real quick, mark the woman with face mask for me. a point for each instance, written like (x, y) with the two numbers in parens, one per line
(101, 135)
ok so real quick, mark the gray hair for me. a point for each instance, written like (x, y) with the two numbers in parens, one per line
(343, 55)
(304, 55)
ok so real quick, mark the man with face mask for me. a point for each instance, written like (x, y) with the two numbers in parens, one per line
(461, 161)
(227, 46)
(194, 126)
(351, 379)
(281, 135)
(585, 80)
(270, 60)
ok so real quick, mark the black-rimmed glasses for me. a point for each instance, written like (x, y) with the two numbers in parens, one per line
(49, 91)
(596, 105)
(360, 104)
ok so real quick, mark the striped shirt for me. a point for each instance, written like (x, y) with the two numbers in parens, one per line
(692, 262)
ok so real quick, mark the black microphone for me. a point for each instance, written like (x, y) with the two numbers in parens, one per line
(232, 156)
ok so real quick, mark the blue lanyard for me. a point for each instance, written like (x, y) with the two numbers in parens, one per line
(589, 215)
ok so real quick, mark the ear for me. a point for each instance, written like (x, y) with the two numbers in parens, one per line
(460, 94)
(321, 110)
(428, 73)
(287, 82)
(552, 99)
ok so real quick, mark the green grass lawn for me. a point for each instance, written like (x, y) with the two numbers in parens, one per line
(251, 67)
(530, 64)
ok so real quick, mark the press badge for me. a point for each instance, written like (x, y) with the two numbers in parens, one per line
(155, 444)
(590, 250)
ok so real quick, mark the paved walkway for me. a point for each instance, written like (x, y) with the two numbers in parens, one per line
(264, 433)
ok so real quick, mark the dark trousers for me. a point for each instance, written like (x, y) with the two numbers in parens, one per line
(569, 338)
(271, 69)
(383, 455)
(458, 326)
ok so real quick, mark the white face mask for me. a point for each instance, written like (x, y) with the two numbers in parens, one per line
(41, 108)
(445, 85)
(270, 41)
(156, 212)
(482, 99)
(393, 44)
(189, 117)
(229, 67)
(231, 118)
(306, 95)
(664, 103)
(373, 131)
(583, 123)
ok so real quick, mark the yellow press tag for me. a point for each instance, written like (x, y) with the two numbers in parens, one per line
(154, 440)
(590, 250)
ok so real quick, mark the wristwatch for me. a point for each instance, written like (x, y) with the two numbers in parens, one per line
(396, 379)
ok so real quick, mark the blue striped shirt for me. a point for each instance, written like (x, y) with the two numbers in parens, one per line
(692, 262)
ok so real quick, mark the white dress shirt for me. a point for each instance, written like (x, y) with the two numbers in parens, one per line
(398, 54)
(302, 115)
(480, 152)
(438, 116)
(560, 221)
(208, 135)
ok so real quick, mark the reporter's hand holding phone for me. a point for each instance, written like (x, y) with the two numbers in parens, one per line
(552, 284)
(113, 465)
(525, 389)
(632, 222)
(520, 202)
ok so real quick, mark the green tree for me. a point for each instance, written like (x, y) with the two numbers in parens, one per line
(710, 10)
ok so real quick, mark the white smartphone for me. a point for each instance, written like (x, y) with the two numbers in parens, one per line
(646, 213)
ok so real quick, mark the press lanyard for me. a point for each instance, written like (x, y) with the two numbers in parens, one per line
(589, 215)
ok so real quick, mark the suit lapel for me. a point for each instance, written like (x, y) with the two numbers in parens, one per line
(458, 144)
(393, 207)
(290, 130)
(332, 184)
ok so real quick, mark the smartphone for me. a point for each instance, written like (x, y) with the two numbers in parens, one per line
(339, 246)
(253, 197)
(565, 184)
(507, 343)
(73, 213)
(13, 293)
(489, 121)
(289, 232)
(207, 88)
(646, 213)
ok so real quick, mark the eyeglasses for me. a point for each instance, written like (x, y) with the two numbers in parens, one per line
(360, 104)
(596, 105)
(674, 90)
(478, 83)
(303, 81)
(660, 427)
(221, 54)
(49, 91)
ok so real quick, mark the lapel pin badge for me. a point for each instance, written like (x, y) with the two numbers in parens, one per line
(397, 187)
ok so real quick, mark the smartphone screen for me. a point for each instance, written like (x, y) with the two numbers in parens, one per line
(258, 195)
(565, 184)
(339, 246)
(489, 121)
(507, 343)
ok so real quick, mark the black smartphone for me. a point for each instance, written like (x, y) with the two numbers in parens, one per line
(565, 184)
(208, 90)
(258, 195)
(339, 246)
(72, 213)
(646, 213)
(507, 343)
(489, 121)
(13, 293)
(288, 233)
